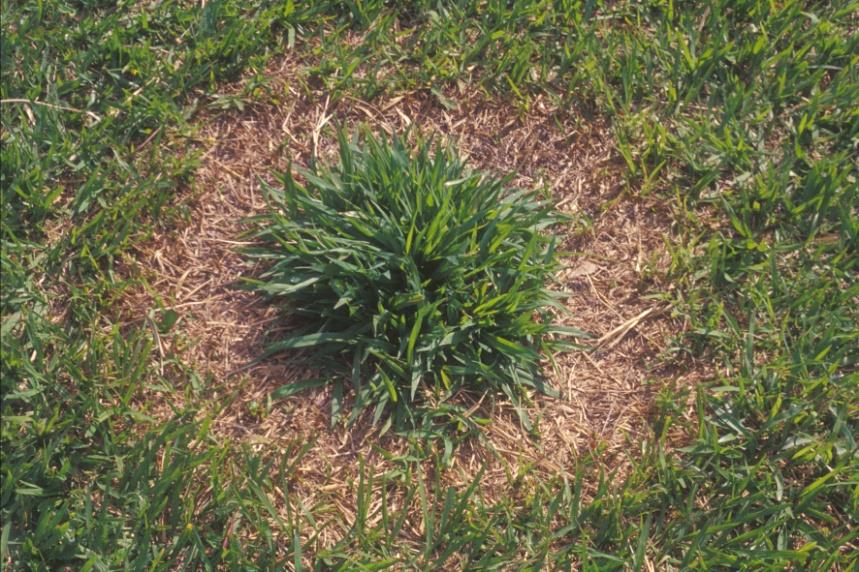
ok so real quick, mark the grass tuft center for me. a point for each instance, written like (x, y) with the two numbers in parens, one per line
(416, 276)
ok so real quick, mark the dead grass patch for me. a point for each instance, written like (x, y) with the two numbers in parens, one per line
(618, 251)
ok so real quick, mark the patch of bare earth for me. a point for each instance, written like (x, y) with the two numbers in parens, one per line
(618, 246)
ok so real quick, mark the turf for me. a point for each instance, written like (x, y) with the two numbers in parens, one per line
(740, 117)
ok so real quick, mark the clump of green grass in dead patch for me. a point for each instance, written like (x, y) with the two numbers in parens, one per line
(420, 277)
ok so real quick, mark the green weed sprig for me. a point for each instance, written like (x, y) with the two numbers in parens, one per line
(421, 277)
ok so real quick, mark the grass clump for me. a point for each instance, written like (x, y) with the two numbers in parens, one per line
(429, 278)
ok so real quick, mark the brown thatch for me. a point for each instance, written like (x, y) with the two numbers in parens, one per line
(618, 256)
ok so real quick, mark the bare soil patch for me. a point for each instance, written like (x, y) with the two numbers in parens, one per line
(618, 253)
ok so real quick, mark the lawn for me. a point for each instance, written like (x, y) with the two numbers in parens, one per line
(697, 162)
